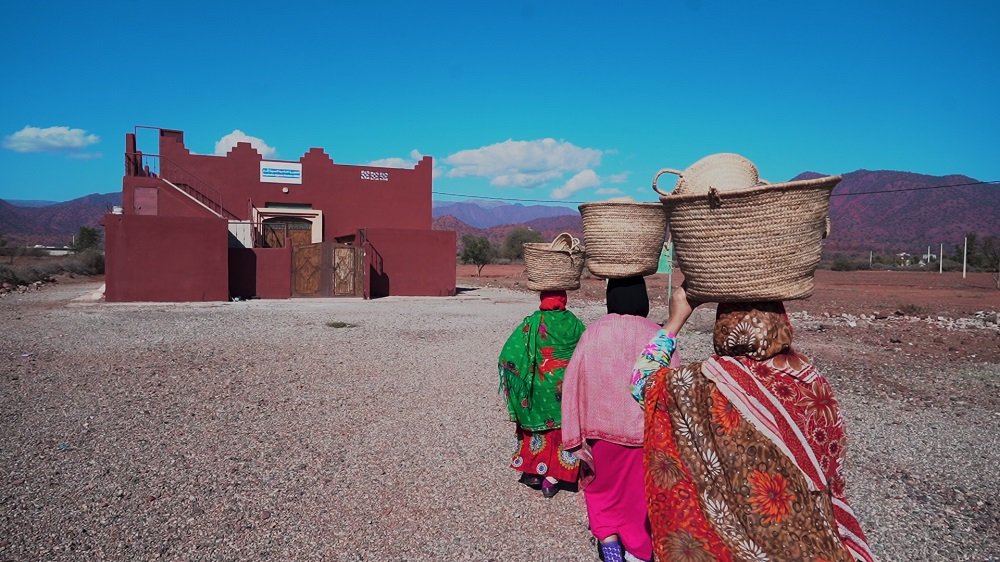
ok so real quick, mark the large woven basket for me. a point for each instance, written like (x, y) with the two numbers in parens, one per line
(554, 266)
(756, 244)
(623, 239)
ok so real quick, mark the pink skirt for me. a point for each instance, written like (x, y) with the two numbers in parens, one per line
(616, 498)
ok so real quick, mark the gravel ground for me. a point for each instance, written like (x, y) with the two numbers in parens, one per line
(260, 430)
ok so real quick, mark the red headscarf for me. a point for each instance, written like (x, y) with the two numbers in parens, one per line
(553, 300)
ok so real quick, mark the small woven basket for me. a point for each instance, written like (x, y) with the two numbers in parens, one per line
(724, 171)
(554, 266)
(623, 239)
(756, 244)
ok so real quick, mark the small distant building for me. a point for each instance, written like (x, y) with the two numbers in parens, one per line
(197, 227)
(54, 250)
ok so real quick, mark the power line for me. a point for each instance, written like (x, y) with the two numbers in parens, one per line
(520, 200)
(918, 188)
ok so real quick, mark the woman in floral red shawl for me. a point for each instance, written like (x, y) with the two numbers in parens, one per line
(744, 451)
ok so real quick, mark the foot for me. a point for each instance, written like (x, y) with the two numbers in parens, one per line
(531, 480)
(611, 551)
(549, 488)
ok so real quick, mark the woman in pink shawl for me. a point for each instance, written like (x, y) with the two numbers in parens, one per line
(602, 424)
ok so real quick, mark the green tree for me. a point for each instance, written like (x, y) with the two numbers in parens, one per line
(477, 250)
(87, 238)
(513, 248)
(11, 252)
(990, 247)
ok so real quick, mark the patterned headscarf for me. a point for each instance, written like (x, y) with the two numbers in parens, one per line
(758, 330)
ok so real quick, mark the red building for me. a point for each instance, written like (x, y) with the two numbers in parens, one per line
(208, 228)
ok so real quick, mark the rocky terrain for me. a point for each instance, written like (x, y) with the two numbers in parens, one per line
(342, 429)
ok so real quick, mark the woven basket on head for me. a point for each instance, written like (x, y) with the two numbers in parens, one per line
(725, 171)
(756, 244)
(623, 239)
(554, 266)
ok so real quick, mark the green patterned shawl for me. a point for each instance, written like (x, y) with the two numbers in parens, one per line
(532, 364)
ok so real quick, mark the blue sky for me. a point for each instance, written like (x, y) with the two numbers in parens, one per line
(562, 101)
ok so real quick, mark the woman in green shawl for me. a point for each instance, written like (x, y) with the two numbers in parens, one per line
(532, 364)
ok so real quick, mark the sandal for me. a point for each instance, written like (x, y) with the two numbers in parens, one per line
(548, 488)
(531, 480)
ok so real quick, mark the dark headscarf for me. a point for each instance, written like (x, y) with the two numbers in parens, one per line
(759, 330)
(628, 296)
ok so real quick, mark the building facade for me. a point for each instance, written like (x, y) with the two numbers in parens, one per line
(198, 227)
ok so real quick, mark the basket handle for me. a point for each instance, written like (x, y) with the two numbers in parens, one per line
(677, 173)
(574, 244)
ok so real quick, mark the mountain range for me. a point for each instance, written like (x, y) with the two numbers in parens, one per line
(56, 223)
(914, 212)
(480, 215)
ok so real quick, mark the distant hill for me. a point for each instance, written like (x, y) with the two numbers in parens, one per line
(485, 215)
(30, 202)
(55, 223)
(908, 221)
(913, 218)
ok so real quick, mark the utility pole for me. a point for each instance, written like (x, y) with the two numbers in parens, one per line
(965, 255)
(941, 260)
(871, 255)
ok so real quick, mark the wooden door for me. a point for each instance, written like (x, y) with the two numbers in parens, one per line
(307, 270)
(297, 230)
(300, 236)
(345, 268)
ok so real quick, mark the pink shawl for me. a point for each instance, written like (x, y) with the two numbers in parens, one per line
(596, 397)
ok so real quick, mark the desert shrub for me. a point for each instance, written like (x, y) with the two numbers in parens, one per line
(9, 275)
(87, 262)
(911, 309)
(842, 263)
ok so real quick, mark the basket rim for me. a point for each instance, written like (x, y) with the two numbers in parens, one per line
(617, 204)
(547, 247)
(763, 188)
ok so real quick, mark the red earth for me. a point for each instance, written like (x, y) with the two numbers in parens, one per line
(882, 296)
(915, 293)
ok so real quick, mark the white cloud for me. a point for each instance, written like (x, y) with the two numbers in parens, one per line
(228, 142)
(610, 191)
(391, 163)
(583, 180)
(522, 163)
(624, 199)
(396, 162)
(35, 139)
(618, 178)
